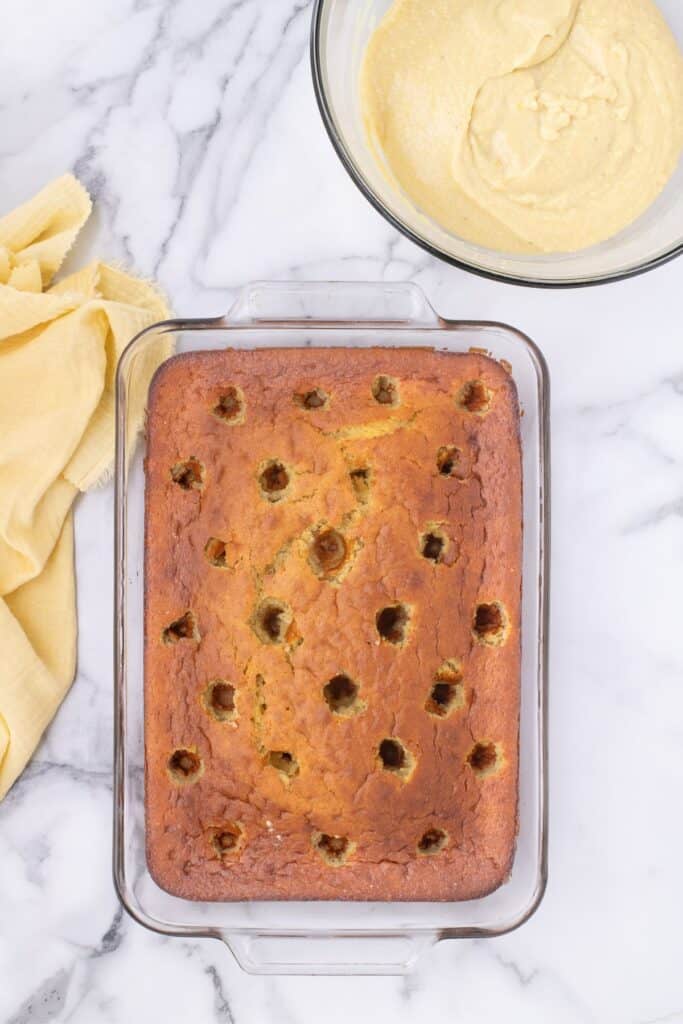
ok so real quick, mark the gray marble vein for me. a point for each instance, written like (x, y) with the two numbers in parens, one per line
(46, 1003)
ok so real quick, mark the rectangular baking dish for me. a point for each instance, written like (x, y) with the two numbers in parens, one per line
(331, 937)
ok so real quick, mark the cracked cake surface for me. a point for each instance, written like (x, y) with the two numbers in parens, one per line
(333, 545)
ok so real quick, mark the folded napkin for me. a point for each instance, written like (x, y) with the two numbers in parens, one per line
(59, 345)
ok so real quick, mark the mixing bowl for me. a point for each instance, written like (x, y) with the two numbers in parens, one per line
(340, 32)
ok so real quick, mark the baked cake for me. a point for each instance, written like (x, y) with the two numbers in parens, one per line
(332, 624)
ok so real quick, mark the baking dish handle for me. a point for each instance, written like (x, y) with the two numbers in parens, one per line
(330, 303)
(328, 955)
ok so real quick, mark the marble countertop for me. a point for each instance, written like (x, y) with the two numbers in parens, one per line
(194, 126)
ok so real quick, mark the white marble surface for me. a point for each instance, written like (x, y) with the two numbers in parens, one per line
(193, 124)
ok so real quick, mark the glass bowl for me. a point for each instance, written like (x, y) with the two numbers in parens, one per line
(340, 32)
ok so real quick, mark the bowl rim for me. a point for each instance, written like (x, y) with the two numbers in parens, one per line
(362, 184)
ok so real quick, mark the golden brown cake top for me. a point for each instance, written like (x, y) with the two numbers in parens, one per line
(333, 567)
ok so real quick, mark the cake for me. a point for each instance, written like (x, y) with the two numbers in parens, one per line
(333, 546)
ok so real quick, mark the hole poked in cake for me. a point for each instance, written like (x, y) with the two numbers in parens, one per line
(219, 700)
(258, 713)
(432, 842)
(450, 461)
(230, 407)
(490, 624)
(273, 622)
(216, 552)
(485, 758)
(183, 628)
(274, 479)
(189, 474)
(392, 623)
(185, 766)
(228, 839)
(448, 692)
(474, 397)
(284, 763)
(360, 481)
(312, 400)
(433, 544)
(328, 552)
(341, 696)
(334, 850)
(385, 390)
(393, 757)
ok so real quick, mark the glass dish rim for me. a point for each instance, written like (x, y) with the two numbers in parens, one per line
(228, 324)
(361, 183)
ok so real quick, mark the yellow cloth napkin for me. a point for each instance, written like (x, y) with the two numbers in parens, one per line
(59, 346)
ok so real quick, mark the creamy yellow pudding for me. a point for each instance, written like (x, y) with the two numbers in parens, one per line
(526, 125)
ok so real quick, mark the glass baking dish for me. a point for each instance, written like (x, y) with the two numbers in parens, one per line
(330, 937)
(339, 35)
